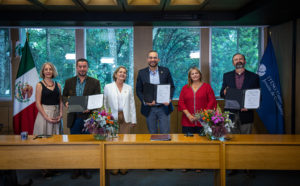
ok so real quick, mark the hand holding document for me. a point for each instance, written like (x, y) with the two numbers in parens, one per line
(157, 93)
(163, 94)
(252, 98)
(95, 101)
(83, 103)
(237, 99)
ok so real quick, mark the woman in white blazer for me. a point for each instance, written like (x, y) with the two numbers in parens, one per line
(118, 96)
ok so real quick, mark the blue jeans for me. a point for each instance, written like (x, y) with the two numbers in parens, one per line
(78, 126)
(157, 118)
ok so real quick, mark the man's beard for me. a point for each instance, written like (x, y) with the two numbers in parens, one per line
(153, 64)
(239, 65)
(82, 74)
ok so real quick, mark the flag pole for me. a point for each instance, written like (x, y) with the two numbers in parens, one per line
(27, 36)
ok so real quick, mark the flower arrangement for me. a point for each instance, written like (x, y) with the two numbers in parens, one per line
(100, 123)
(215, 123)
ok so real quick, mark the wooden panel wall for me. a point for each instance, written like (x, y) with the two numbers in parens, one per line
(282, 41)
(297, 119)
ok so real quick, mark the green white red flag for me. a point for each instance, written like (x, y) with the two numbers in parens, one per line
(25, 111)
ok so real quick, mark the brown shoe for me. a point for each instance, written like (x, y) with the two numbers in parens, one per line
(114, 172)
(123, 171)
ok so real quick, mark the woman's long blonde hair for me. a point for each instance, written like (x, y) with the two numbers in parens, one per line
(190, 81)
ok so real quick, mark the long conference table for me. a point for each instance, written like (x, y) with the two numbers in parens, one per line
(137, 151)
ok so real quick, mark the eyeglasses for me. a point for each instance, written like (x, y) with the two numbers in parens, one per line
(152, 57)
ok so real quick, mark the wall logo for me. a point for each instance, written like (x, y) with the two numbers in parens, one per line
(23, 92)
(262, 70)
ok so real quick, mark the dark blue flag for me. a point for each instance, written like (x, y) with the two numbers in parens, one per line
(271, 110)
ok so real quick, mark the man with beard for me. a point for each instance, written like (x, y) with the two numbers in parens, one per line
(80, 85)
(157, 115)
(240, 78)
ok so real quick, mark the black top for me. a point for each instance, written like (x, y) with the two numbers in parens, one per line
(50, 97)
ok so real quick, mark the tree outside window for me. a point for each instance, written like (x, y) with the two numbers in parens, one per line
(225, 42)
(179, 50)
(53, 45)
(5, 72)
(107, 49)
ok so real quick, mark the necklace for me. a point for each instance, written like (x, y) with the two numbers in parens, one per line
(47, 84)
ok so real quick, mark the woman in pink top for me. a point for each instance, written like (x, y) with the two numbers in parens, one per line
(195, 96)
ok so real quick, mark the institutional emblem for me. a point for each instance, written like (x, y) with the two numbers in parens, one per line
(23, 92)
(262, 70)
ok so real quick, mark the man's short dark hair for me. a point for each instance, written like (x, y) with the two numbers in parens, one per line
(82, 60)
(239, 54)
(151, 51)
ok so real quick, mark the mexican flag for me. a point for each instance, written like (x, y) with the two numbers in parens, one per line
(25, 110)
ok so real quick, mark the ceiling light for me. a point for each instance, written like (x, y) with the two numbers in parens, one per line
(143, 2)
(186, 2)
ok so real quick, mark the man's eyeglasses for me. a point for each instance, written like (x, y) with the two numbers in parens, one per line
(152, 57)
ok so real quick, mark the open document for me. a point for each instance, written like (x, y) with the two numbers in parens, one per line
(160, 93)
(82, 103)
(163, 94)
(252, 98)
(237, 99)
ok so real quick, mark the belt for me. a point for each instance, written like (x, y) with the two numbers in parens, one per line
(160, 105)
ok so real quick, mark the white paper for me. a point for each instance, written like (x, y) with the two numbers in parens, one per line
(252, 98)
(163, 94)
(95, 101)
(65, 138)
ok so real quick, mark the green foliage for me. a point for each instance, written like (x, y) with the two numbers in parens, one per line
(112, 43)
(5, 86)
(51, 45)
(174, 46)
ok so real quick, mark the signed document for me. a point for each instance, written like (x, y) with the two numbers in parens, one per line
(163, 94)
(95, 101)
(82, 103)
(237, 99)
(252, 98)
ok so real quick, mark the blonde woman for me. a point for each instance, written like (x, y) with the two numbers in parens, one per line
(48, 102)
(118, 96)
(194, 96)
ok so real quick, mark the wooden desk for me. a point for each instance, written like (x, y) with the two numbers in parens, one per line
(268, 152)
(136, 151)
(79, 152)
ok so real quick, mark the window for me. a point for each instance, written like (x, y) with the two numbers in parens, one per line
(107, 49)
(225, 42)
(179, 50)
(53, 45)
(5, 73)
